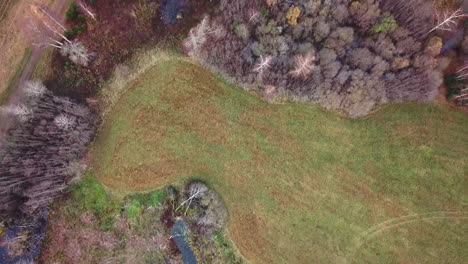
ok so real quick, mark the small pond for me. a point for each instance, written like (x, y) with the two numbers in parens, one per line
(34, 229)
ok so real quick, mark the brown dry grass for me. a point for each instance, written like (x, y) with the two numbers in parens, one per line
(13, 37)
(12, 40)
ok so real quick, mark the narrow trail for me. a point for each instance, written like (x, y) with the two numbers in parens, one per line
(58, 7)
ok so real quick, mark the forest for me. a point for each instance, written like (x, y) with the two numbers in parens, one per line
(346, 55)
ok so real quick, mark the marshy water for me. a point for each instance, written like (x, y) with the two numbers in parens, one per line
(179, 234)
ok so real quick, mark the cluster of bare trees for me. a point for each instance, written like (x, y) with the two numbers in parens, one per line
(47, 31)
(42, 152)
(462, 75)
(199, 35)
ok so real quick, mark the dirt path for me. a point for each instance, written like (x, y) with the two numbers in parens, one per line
(58, 7)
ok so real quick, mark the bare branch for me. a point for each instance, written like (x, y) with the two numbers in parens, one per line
(254, 16)
(263, 64)
(77, 52)
(199, 34)
(64, 122)
(303, 65)
(448, 21)
(22, 112)
(34, 88)
(195, 190)
(87, 10)
(51, 17)
(462, 74)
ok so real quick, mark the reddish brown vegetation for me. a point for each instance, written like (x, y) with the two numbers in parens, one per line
(116, 34)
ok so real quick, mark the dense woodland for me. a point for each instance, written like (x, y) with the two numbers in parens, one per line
(41, 154)
(346, 55)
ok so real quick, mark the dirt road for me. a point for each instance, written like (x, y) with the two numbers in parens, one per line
(57, 7)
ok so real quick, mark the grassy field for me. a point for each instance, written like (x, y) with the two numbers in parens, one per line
(43, 69)
(12, 82)
(302, 185)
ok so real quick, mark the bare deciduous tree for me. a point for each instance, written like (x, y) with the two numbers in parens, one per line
(64, 121)
(199, 34)
(34, 88)
(77, 52)
(263, 64)
(448, 21)
(462, 98)
(254, 16)
(195, 189)
(303, 65)
(22, 112)
(462, 74)
(87, 9)
(43, 34)
(76, 170)
(46, 32)
(271, 2)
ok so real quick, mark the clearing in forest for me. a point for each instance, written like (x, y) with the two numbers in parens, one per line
(301, 185)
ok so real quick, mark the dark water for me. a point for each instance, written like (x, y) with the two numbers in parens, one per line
(169, 11)
(36, 227)
(180, 237)
(453, 42)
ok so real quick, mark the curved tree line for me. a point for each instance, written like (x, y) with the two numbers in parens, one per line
(347, 55)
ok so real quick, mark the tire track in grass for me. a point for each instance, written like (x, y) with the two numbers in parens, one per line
(376, 230)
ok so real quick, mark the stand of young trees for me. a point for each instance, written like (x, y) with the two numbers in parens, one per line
(42, 152)
(347, 55)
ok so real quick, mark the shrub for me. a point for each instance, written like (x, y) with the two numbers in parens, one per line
(73, 11)
(81, 18)
(69, 34)
(79, 29)
(454, 85)
(91, 195)
(134, 210)
(387, 23)
(263, 11)
(156, 198)
(145, 11)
